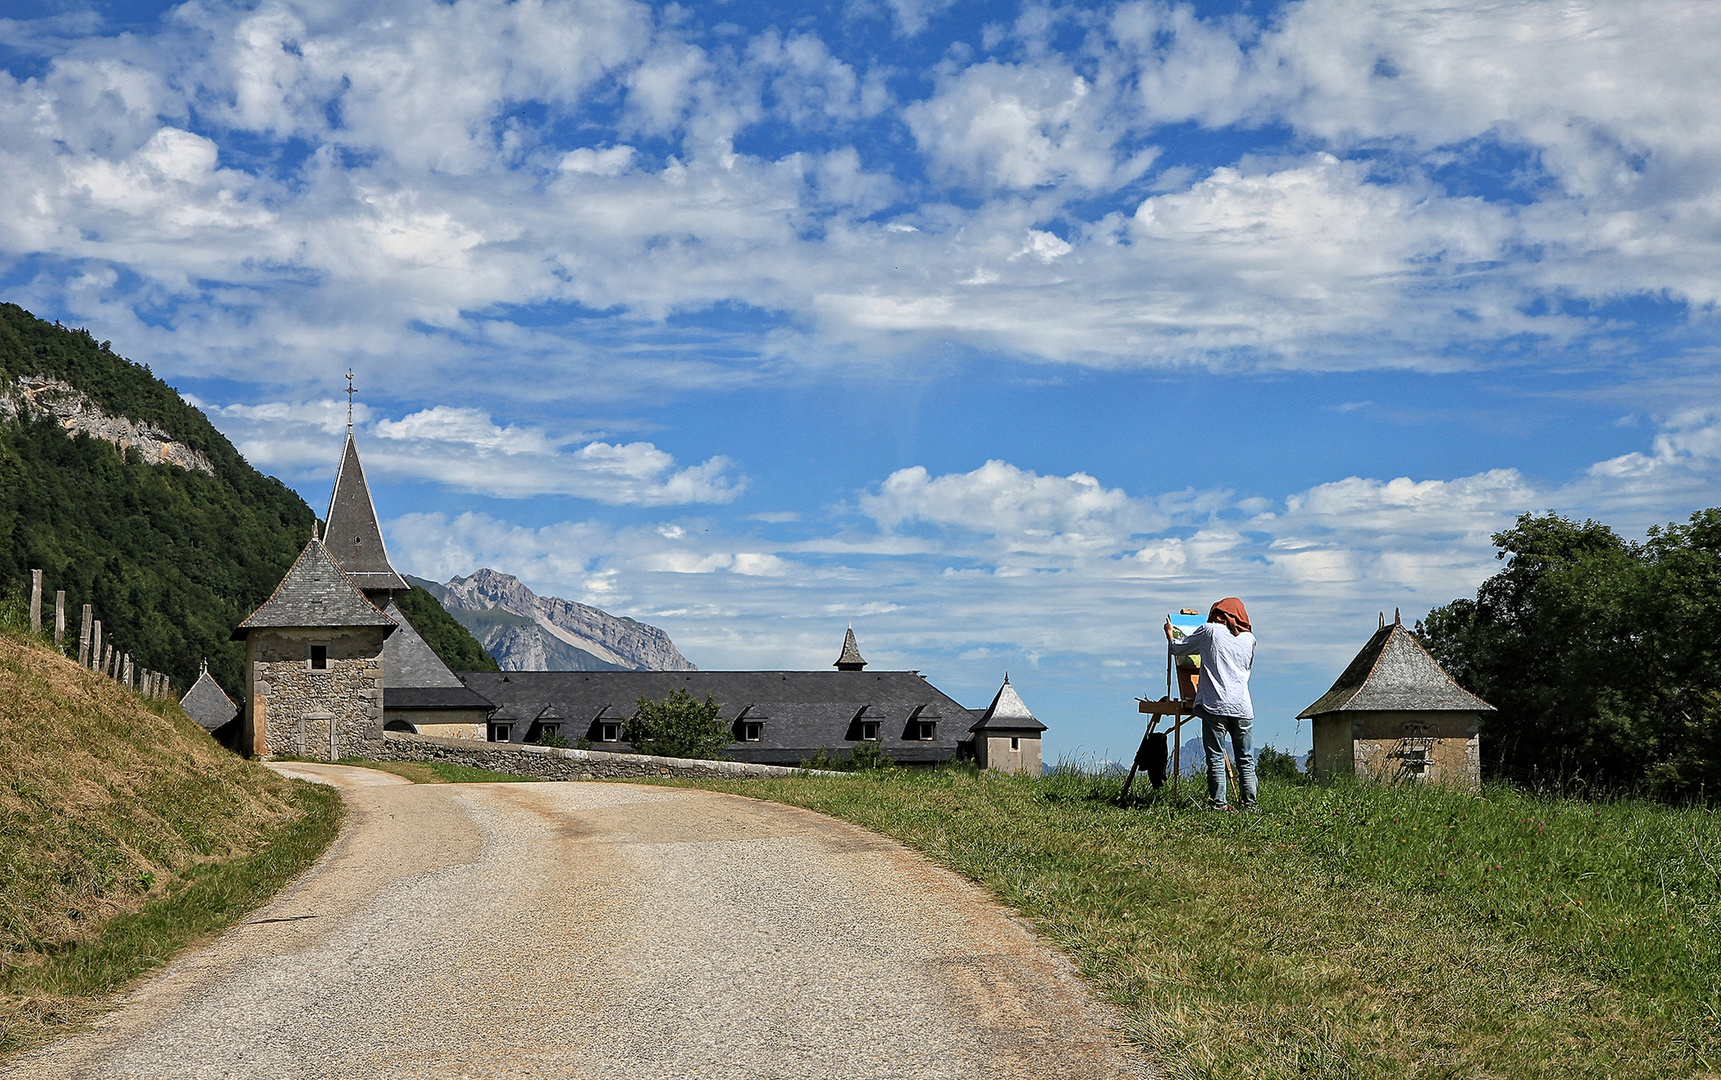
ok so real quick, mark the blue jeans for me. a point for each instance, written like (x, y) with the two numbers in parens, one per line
(1214, 728)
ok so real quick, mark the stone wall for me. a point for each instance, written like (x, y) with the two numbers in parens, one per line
(295, 706)
(552, 763)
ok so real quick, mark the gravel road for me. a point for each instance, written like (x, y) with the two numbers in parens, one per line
(605, 930)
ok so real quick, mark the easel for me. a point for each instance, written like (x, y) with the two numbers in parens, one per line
(1181, 708)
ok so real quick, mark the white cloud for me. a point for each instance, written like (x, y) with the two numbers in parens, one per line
(996, 125)
(1023, 509)
(438, 192)
(466, 450)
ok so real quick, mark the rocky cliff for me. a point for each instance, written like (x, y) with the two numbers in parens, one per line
(37, 397)
(528, 632)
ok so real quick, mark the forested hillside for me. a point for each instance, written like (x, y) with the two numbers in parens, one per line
(171, 558)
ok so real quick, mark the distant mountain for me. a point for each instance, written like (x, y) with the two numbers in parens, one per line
(528, 632)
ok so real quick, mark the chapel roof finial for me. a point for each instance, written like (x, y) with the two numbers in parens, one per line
(350, 393)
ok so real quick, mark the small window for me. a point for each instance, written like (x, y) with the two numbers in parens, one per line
(609, 733)
(751, 730)
(1015, 742)
(501, 732)
(926, 730)
(869, 730)
(319, 658)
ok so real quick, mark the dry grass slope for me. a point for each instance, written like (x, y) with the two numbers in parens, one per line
(110, 807)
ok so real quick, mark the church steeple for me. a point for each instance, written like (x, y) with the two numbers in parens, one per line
(850, 660)
(352, 536)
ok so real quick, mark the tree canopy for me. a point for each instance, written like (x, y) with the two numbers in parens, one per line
(679, 726)
(1600, 654)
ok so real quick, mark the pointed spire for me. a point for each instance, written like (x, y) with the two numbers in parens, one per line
(1396, 620)
(1008, 710)
(850, 660)
(1383, 620)
(352, 534)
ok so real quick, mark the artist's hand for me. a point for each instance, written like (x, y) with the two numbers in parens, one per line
(1168, 629)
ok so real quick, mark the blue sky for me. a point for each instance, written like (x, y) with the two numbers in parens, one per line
(996, 330)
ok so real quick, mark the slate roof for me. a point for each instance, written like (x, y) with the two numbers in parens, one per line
(432, 697)
(851, 659)
(352, 534)
(408, 660)
(1393, 672)
(207, 703)
(1008, 712)
(316, 593)
(801, 712)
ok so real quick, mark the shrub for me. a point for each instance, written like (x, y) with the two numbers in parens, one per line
(678, 726)
(551, 738)
(869, 757)
(1271, 763)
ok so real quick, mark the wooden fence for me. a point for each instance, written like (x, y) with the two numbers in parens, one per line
(94, 652)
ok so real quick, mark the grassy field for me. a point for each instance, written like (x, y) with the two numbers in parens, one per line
(126, 833)
(1359, 931)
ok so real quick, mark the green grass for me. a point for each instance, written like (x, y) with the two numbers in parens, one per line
(1355, 930)
(68, 983)
(441, 772)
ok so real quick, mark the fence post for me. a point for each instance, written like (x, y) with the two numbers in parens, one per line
(107, 651)
(84, 638)
(96, 645)
(35, 601)
(126, 673)
(59, 618)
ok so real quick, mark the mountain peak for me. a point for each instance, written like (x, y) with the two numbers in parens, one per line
(528, 632)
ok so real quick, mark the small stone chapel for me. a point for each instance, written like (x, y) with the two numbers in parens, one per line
(1395, 714)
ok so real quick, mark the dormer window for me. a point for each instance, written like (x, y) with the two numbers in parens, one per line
(869, 730)
(924, 730)
(319, 657)
(501, 732)
(608, 731)
(749, 730)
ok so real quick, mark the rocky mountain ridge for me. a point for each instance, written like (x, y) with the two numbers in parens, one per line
(528, 632)
(38, 396)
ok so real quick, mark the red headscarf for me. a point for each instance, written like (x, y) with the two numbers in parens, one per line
(1231, 614)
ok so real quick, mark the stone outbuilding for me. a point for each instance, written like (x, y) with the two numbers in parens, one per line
(1007, 736)
(1394, 714)
(314, 664)
(210, 706)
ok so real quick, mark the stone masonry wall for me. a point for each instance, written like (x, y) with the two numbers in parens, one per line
(299, 704)
(553, 763)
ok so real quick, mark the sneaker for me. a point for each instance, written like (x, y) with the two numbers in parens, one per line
(1224, 807)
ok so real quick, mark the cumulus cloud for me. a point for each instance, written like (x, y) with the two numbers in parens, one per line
(466, 450)
(290, 179)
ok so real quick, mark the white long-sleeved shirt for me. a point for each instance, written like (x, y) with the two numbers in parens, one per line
(1225, 663)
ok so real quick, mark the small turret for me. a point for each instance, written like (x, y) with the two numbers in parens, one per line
(850, 660)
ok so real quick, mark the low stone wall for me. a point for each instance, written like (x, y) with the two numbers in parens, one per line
(551, 763)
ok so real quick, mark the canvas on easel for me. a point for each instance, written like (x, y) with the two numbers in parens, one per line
(1183, 624)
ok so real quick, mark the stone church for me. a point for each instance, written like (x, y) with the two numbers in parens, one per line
(332, 662)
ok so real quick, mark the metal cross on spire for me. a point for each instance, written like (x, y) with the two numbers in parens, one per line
(350, 393)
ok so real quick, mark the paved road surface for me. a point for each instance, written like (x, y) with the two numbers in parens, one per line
(605, 930)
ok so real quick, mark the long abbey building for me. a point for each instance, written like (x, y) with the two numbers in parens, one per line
(332, 662)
